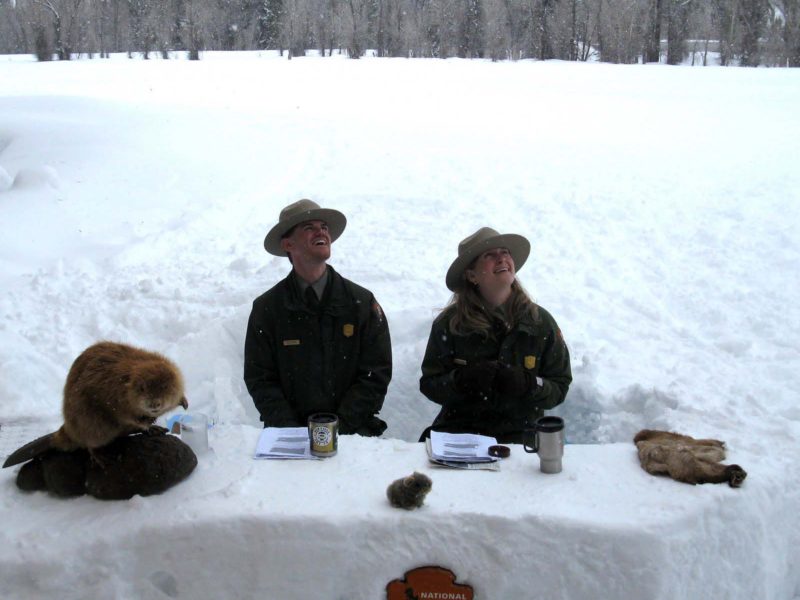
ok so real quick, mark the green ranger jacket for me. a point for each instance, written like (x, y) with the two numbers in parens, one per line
(336, 357)
(535, 344)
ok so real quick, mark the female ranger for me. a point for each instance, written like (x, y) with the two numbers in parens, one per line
(495, 360)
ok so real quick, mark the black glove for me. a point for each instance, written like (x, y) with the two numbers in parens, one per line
(514, 381)
(372, 426)
(476, 380)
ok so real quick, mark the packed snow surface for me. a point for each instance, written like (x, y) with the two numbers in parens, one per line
(663, 209)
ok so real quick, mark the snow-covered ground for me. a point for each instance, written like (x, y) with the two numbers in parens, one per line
(663, 208)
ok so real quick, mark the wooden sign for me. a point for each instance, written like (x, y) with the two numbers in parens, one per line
(428, 583)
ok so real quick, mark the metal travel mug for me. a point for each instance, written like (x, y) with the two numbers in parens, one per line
(547, 434)
(323, 433)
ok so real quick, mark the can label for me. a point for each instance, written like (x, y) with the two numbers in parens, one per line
(323, 433)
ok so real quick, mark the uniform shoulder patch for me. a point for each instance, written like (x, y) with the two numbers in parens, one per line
(376, 308)
(560, 338)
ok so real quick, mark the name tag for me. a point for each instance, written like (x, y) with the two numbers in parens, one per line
(291, 342)
(459, 361)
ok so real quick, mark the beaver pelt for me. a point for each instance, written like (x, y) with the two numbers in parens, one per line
(409, 492)
(135, 465)
(112, 390)
(686, 459)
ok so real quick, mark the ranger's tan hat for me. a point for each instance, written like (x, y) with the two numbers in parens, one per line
(484, 239)
(299, 212)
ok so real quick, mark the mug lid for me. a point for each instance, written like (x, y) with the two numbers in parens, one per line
(549, 424)
(323, 418)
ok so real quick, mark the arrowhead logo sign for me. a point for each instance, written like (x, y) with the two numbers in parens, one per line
(428, 583)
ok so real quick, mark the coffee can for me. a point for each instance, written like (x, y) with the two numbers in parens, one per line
(323, 434)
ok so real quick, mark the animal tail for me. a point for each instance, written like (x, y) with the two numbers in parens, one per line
(30, 450)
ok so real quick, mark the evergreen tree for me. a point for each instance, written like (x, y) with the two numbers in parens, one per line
(270, 13)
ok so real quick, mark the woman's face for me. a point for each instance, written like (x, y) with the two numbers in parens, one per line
(492, 271)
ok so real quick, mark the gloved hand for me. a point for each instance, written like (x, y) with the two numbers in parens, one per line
(477, 379)
(514, 381)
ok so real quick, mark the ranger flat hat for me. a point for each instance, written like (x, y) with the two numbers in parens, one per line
(484, 239)
(299, 212)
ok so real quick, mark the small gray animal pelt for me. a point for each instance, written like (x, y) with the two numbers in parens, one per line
(409, 492)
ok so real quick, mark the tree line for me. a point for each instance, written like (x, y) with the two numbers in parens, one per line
(740, 32)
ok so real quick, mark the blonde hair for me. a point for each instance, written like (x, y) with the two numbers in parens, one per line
(471, 315)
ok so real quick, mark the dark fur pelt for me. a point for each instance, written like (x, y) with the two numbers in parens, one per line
(409, 492)
(137, 464)
(686, 459)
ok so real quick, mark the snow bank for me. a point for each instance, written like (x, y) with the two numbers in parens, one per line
(285, 529)
(662, 208)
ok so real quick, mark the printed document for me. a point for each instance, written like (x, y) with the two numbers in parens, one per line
(461, 450)
(284, 442)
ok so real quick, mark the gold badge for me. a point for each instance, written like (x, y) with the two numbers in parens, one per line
(348, 329)
(530, 362)
(291, 342)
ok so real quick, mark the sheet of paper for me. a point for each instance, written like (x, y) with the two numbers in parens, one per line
(284, 443)
(461, 447)
(486, 466)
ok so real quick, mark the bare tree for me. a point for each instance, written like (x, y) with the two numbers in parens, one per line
(752, 16)
(14, 36)
(746, 32)
(587, 28)
(677, 29)
(542, 29)
(295, 27)
(652, 52)
(702, 32)
(415, 28)
(325, 22)
(470, 30)
(193, 30)
(101, 18)
(620, 31)
(790, 31)
(496, 33)
(142, 26)
(64, 16)
(356, 26)
(392, 22)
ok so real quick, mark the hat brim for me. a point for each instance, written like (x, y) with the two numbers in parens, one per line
(336, 223)
(518, 246)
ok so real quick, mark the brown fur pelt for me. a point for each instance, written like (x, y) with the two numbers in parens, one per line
(686, 459)
(112, 390)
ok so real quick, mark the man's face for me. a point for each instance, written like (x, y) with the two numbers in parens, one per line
(493, 269)
(309, 241)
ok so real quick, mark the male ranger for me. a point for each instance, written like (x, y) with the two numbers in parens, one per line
(316, 342)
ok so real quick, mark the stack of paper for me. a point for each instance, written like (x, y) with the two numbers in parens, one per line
(284, 442)
(461, 450)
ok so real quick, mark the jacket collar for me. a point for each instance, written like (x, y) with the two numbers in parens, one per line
(334, 300)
